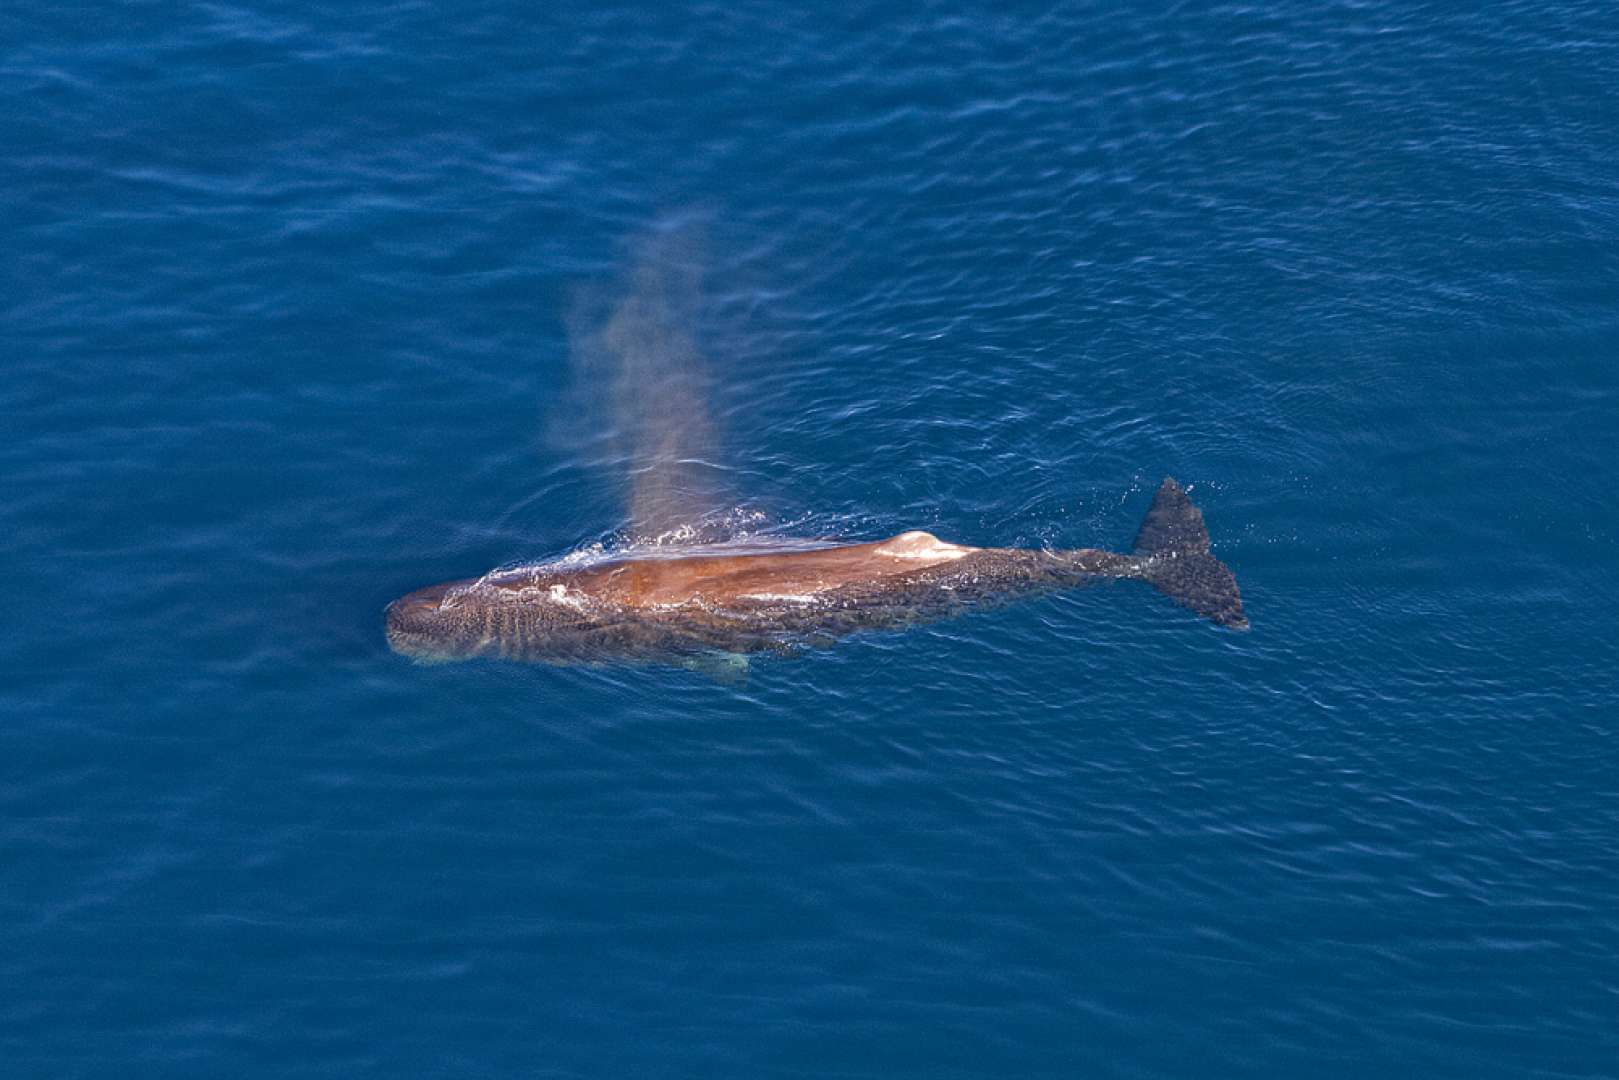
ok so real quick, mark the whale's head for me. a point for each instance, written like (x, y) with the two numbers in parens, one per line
(439, 623)
(519, 614)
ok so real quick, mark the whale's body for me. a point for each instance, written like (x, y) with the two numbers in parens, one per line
(674, 605)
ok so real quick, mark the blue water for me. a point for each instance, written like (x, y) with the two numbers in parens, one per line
(293, 310)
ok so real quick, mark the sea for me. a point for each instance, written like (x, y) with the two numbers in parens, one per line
(306, 306)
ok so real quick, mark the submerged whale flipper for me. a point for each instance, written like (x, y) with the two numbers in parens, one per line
(1173, 546)
(725, 668)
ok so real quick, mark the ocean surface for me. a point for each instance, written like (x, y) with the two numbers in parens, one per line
(305, 306)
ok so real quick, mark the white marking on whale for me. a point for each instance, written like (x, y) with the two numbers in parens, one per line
(921, 545)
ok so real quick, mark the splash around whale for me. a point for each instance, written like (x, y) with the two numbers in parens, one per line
(671, 607)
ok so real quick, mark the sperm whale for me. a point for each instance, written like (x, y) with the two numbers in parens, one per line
(671, 605)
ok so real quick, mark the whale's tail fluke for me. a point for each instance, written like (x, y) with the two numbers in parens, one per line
(1173, 552)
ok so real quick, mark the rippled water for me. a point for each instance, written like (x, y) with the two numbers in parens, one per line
(304, 309)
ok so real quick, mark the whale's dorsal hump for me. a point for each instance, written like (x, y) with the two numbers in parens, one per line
(917, 544)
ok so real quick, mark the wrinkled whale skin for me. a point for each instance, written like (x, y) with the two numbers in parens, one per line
(653, 608)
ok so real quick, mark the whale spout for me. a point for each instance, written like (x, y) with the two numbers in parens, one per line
(1173, 552)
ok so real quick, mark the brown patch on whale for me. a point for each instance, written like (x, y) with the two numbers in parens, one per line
(721, 580)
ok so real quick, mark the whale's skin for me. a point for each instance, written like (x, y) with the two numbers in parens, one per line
(669, 606)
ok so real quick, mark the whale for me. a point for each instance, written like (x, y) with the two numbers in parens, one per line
(671, 606)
